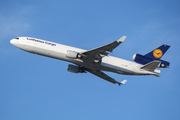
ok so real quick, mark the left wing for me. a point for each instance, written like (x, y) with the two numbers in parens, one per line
(105, 77)
(95, 55)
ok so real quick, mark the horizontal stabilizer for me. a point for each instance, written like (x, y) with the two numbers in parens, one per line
(151, 66)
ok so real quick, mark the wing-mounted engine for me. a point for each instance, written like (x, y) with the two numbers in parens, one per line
(144, 60)
(72, 54)
(75, 69)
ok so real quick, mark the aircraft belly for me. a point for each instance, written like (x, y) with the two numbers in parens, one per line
(44, 52)
(104, 67)
(116, 69)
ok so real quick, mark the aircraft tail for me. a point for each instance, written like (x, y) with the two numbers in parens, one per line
(156, 54)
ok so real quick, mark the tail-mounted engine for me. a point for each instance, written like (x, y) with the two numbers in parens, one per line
(144, 60)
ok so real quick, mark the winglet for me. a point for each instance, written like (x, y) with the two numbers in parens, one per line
(121, 39)
(123, 82)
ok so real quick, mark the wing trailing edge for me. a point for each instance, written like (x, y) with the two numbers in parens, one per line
(105, 77)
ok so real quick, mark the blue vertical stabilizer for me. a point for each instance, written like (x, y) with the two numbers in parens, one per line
(157, 53)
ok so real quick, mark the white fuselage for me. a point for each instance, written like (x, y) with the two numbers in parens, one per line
(59, 51)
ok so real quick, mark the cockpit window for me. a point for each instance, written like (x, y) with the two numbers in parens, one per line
(17, 38)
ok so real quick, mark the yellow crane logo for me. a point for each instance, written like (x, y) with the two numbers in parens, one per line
(157, 53)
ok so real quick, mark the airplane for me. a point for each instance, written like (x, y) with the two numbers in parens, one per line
(97, 60)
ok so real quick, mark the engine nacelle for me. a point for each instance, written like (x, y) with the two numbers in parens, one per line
(72, 54)
(163, 65)
(75, 69)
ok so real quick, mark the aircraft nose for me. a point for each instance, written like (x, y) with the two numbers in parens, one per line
(13, 41)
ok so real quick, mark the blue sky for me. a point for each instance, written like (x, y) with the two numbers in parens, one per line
(37, 87)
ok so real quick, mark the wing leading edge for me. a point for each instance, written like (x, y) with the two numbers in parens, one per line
(96, 55)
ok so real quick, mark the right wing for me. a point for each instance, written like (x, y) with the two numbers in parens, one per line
(105, 77)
